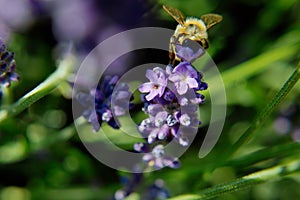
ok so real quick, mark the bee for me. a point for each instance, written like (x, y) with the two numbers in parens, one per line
(189, 30)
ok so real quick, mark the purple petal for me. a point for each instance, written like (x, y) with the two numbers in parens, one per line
(161, 90)
(175, 77)
(183, 101)
(145, 128)
(148, 157)
(146, 87)
(163, 132)
(181, 68)
(181, 87)
(192, 83)
(121, 94)
(119, 111)
(151, 95)
(188, 54)
(158, 151)
(169, 69)
(172, 163)
(187, 69)
(185, 120)
(183, 141)
(160, 73)
(153, 109)
(159, 163)
(160, 118)
(191, 71)
(152, 136)
(174, 131)
(140, 147)
(151, 75)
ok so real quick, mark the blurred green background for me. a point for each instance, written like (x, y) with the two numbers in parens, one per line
(256, 48)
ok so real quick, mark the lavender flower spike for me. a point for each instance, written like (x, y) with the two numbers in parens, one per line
(157, 84)
(104, 111)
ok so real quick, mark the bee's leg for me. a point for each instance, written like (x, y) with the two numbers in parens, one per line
(172, 55)
(172, 58)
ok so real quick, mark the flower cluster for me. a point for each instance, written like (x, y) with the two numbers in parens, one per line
(109, 99)
(171, 99)
(156, 158)
(7, 67)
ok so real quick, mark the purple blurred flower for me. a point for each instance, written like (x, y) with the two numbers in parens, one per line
(4, 30)
(296, 134)
(157, 84)
(7, 66)
(287, 123)
(74, 19)
(16, 14)
(282, 125)
(157, 191)
(110, 100)
(129, 184)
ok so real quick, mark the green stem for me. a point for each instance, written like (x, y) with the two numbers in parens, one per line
(41, 90)
(265, 154)
(263, 116)
(244, 182)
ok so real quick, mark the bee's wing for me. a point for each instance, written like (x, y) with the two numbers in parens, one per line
(211, 19)
(176, 14)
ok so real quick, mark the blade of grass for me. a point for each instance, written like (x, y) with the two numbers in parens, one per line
(261, 117)
(265, 154)
(244, 182)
